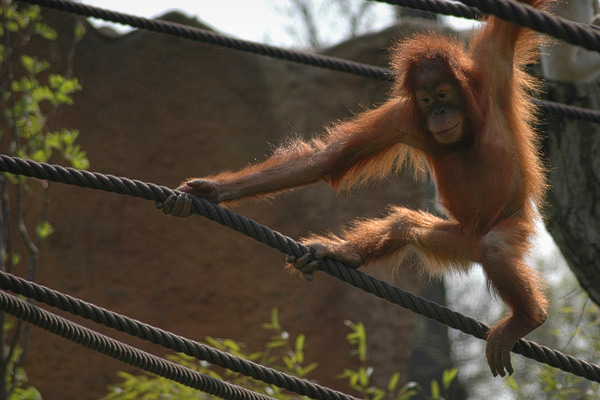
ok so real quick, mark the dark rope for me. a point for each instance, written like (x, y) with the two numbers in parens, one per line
(287, 245)
(519, 13)
(565, 110)
(576, 33)
(123, 352)
(206, 36)
(542, 21)
(166, 339)
(337, 64)
(438, 7)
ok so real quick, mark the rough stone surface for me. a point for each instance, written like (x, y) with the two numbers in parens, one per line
(159, 109)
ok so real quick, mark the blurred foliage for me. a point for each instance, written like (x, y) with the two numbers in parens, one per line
(281, 352)
(31, 98)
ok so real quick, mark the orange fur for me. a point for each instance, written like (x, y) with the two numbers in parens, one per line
(489, 178)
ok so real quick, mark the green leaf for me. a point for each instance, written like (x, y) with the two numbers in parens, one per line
(53, 140)
(376, 393)
(41, 93)
(353, 379)
(213, 342)
(63, 85)
(232, 345)
(41, 155)
(300, 341)
(512, 383)
(29, 393)
(23, 85)
(289, 362)
(80, 160)
(255, 356)
(12, 26)
(358, 338)
(435, 390)
(448, 376)
(393, 383)
(16, 258)
(27, 14)
(45, 31)
(33, 65)
(44, 229)
(126, 376)
(303, 371)
(275, 319)
(79, 30)
(408, 391)
(275, 344)
(363, 377)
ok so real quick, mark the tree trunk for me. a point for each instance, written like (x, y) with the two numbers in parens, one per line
(573, 148)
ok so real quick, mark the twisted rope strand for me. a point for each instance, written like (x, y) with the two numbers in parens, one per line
(337, 64)
(166, 339)
(123, 352)
(522, 14)
(206, 36)
(576, 33)
(541, 21)
(287, 245)
(438, 7)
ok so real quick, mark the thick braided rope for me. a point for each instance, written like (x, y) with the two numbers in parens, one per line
(287, 245)
(519, 13)
(206, 36)
(541, 21)
(123, 352)
(564, 110)
(437, 6)
(166, 339)
(370, 71)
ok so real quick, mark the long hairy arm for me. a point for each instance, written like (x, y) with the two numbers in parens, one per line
(368, 146)
(500, 46)
(375, 144)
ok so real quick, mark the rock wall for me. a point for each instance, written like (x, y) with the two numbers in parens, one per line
(159, 109)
